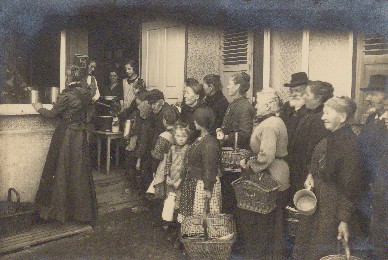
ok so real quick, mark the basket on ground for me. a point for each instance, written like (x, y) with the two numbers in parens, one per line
(257, 193)
(208, 236)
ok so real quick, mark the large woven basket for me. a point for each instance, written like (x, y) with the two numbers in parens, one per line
(231, 157)
(341, 257)
(200, 246)
(257, 194)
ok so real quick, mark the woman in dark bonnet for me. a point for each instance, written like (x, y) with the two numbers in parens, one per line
(66, 190)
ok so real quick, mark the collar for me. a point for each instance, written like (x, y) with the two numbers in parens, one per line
(316, 110)
(258, 119)
(132, 80)
(383, 116)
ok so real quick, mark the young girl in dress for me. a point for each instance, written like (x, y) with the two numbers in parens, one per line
(174, 173)
(157, 190)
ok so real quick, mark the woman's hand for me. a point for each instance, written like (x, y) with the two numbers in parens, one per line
(243, 163)
(309, 183)
(343, 231)
(37, 106)
(207, 194)
(220, 134)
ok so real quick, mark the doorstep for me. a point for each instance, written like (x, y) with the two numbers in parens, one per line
(40, 234)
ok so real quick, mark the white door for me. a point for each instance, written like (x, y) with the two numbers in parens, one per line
(163, 58)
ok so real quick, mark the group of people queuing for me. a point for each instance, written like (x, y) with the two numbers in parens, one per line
(308, 142)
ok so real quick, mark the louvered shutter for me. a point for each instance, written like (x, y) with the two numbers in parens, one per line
(373, 59)
(236, 57)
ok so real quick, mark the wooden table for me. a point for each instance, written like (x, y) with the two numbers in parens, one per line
(108, 136)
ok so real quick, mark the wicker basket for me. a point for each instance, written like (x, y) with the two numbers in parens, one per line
(258, 193)
(342, 257)
(231, 156)
(201, 235)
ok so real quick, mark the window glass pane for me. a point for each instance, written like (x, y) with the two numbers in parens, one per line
(30, 63)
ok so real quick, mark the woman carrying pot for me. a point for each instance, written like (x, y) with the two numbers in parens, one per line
(262, 234)
(335, 177)
(66, 190)
(238, 121)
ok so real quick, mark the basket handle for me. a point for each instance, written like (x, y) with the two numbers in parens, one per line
(9, 199)
(235, 140)
(346, 248)
(204, 216)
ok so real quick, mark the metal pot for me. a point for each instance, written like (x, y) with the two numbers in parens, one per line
(305, 202)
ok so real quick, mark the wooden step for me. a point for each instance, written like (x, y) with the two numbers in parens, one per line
(39, 234)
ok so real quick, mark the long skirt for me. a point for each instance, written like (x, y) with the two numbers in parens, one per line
(192, 200)
(317, 234)
(66, 190)
(261, 236)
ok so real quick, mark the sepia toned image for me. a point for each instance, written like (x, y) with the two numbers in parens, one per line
(239, 129)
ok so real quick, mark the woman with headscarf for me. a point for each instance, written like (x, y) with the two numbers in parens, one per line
(262, 234)
(66, 190)
(335, 177)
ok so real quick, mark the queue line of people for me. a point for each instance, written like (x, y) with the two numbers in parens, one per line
(308, 142)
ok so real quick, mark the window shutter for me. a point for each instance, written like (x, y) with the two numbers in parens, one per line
(235, 48)
(375, 46)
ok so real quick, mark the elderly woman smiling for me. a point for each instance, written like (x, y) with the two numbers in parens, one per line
(262, 233)
(335, 177)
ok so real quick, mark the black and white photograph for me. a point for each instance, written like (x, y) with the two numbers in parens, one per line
(194, 129)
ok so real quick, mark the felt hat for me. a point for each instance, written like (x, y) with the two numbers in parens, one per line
(377, 82)
(297, 79)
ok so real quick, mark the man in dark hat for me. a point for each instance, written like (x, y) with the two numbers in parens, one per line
(293, 110)
(374, 148)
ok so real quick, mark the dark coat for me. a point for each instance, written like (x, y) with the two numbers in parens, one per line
(373, 206)
(308, 133)
(291, 119)
(218, 103)
(336, 167)
(238, 118)
(116, 91)
(66, 189)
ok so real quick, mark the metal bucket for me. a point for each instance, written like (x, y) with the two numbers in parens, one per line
(305, 202)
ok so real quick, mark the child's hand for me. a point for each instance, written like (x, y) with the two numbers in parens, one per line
(138, 164)
(177, 183)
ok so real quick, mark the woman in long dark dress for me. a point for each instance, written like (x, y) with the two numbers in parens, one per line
(66, 190)
(335, 176)
(238, 120)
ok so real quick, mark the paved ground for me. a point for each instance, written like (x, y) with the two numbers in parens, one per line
(119, 235)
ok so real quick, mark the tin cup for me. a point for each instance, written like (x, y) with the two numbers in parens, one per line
(54, 94)
(34, 96)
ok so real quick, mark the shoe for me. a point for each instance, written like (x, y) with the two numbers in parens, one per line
(139, 209)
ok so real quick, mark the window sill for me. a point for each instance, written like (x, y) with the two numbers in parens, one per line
(20, 109)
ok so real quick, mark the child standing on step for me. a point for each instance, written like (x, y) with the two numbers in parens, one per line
(159, 152)
(174, 173)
